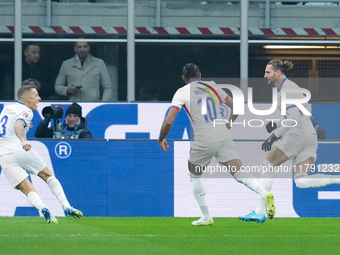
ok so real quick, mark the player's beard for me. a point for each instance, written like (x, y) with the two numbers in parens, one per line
(271, 82)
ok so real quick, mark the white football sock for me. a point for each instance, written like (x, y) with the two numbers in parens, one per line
(58, 191)
(303, 181)
(250, 181)
(34, 199)
(199, 194)
(266, 181)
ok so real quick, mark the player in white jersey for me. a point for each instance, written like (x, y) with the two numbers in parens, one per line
(17, 155)
(297, 140)
(204, 102)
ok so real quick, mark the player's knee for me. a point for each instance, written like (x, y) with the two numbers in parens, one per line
(45, 174)
(50, 178)
(195, 170)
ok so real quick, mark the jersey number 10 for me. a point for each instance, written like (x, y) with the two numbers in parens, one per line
(211, 109)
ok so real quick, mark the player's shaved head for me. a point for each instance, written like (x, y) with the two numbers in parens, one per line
(24, 90)
(190, 70)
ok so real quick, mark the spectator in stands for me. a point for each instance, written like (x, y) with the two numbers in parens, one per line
(31, 82)
(74, 127)
(148, 93)
(33, 72)
(84, 77)
(320, 131)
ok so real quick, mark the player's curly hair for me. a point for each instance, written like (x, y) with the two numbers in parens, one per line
(190, 70)
(283, 66)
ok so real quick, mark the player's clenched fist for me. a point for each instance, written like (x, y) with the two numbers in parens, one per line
(26, 145)
(164, 145)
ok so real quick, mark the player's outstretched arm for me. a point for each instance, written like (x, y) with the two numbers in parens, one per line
(20, 132)
(166, 127)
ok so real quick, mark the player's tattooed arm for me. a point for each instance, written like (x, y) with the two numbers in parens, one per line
(20, 132)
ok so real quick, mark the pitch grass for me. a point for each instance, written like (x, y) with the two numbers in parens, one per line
(92, 235)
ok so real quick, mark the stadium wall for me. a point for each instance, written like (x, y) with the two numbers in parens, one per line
(124, 172)
(175, 15)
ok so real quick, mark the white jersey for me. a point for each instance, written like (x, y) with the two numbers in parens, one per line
(9, 142)
(303, 124)
(209, 126)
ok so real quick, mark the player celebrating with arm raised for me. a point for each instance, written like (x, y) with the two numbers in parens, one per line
(297, 140)
(211, 139)
(17, 155)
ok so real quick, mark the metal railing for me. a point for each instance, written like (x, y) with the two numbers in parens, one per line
(203, 2)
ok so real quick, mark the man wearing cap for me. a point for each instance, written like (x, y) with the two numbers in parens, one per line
(74, 126)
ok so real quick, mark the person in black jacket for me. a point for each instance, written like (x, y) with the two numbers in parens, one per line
(33, 72)
(74, 126)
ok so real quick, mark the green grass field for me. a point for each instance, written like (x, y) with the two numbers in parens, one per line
(31, 235)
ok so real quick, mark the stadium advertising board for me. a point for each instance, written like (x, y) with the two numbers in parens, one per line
(132, 176)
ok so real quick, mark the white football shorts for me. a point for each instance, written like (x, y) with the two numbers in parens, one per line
(297, 147)
(223, 151)
(15, 165)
